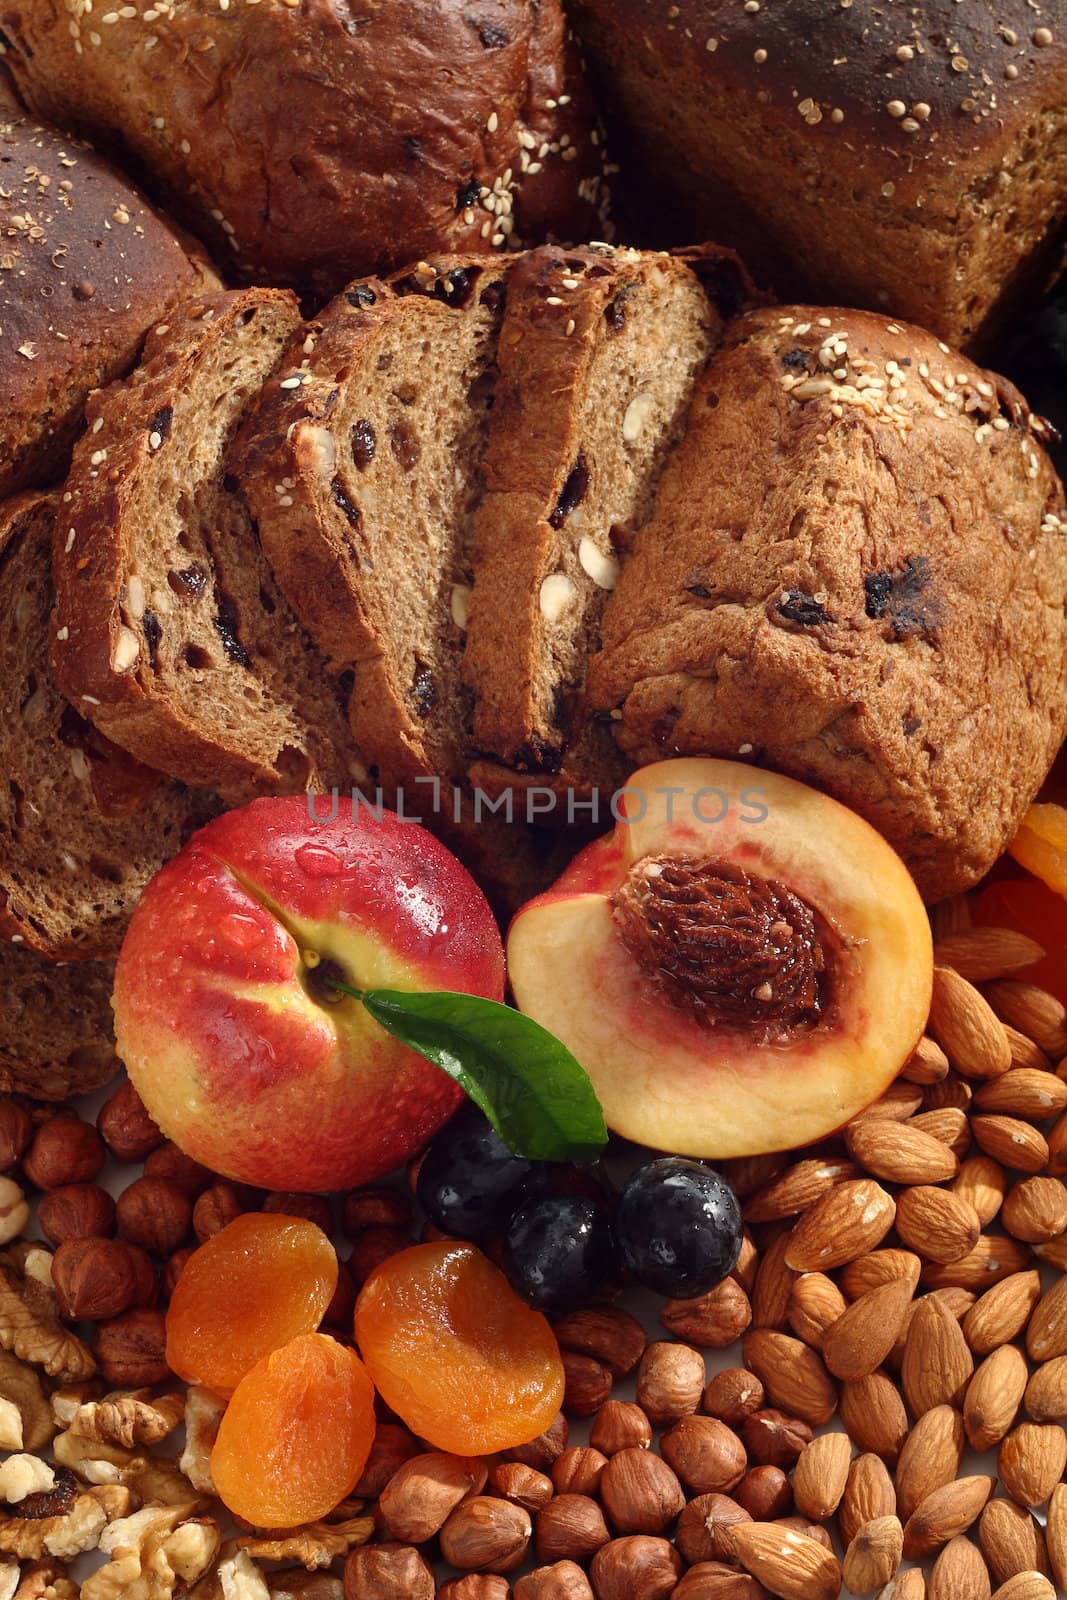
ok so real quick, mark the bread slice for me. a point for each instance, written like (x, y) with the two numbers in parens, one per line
(599, 353)
(83, 826)
(55, 1025)
(361, 464)
(171, 635)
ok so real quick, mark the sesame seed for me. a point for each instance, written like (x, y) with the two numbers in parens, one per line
(290, 383)
(1011, 71)
(494, 122)
(569, 329)
(97, 425)
(910, 125)
(1042, 36)
(712, 45)
(905, 53)
(98, 457)
(920, 110)
(837, 115)
(960, 64)
(896, 108)
(759, 57)
(751, 6)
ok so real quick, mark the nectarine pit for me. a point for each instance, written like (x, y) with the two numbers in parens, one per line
(723, 945)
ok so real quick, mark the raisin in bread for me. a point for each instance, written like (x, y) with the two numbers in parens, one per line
(856, 574)
(170, 633)
(55, 1025)
(83, 826)
(599, 351)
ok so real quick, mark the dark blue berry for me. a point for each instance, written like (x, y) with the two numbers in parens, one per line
(679, 1227)
(469, 1182)
(559, 1250)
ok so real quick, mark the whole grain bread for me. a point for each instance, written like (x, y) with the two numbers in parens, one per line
(55, 1025)
(599, 351)
(86, 268)
(83, 826)
(311, 142)
(912, 159)
(856, 574)
(170, 634)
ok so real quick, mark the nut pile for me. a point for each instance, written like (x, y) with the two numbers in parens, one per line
(890, 1280)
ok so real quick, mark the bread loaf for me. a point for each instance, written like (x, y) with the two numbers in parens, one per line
(856, 575)
(55, 1025)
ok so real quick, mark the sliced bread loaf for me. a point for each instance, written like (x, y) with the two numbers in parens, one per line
(55, 1025)
(171, 635)
(599, 352)
(83, 825)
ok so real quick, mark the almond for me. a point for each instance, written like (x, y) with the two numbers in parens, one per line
(796, 1189)
(820, 1475)
(1033, 1011)
(910, 1585)
(845, 1224)
(869, 1494)
(966, 1027)
(873, 1555)
(1024, 1052)
(1046, 1335)
(959, 1573)
(950, 916)
(1024, 1092)
(937, 1364)
(1057, 1148)
(927, 1063)
(993, 1397)
(787, 1563)
(1031, 1461)
(866, 1332)
(991, 1260)
(1036, 1210)
(1046, 1393)
(980, 1181)
(1053, 1253)
(898, 1152)
(873, 1415)
(930, 1458)
(945, 1513)
(814, 1305)
(1012, 1142)
(1026, 1586)
(773, 1286)
(881, 1266)
(1002, 1312)
(948, 1125)
(937, 1223)
(793, 1376)
(1056, 1534)
(979, 954)
(952, 1092)
(1012, 1540)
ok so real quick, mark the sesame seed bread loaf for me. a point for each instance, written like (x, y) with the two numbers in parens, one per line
(912, 159)
(170, 634)
(309, 142)
(86, 267)
(599, 350)
(83, 826)
(856, 574)
(55, 1025)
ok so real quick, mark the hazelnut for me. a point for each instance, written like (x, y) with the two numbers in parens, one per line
(375, 1207)
(14, 1212)
(545, 1449)
(214, 1208)
(733, 1395)
(588, 1384)
(167, 1161)
(570, 1528)
(393, 1445)
(130, 1350)
(76, 1211)
(703, 1531)
(578, 1470)
(706, 1454)
(524, 1485)
(670, 1381)
(425, 1490)
(475, 1586)
(765, 1493)
(174, 1269)
(714, 1580)
(774, 1440)
(713, 1320)
(562, 1581)
(16, 1131)
(620, 1425)
(606, 1333)
(372, 1247)
(125, 1126)
(154, 1213)
(311, 1207)
(146, 1278)
(636, 1568)
(64, 1150)
(486, 1535)
(387, 1572)
(640, 1492)
(94, 1279)
(338, 1313)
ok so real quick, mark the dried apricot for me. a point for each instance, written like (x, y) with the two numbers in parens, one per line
(1041, 845)
(296, 1434)
(1030, 907)
(455, 1353)
(251, 1288)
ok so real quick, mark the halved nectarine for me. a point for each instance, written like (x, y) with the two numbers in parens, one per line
(742, 966)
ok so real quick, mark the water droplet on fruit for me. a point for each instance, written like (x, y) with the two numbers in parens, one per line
(318, 861)
(241, 932)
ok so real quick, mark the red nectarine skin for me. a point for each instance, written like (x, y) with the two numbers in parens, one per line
(221, 1023)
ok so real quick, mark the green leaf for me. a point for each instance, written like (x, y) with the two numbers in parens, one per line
(537, 1096)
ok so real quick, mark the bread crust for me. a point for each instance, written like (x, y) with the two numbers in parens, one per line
(86, 268)
(856, 575)
(912, 161)
(308, 143)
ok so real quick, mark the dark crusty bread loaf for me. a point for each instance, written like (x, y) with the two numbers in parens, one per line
(856, 574)
(55, 1025)
(86, 267)
(599, 350)
(170, 634)
(83, 826)
(912, 159)
(310, 142)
